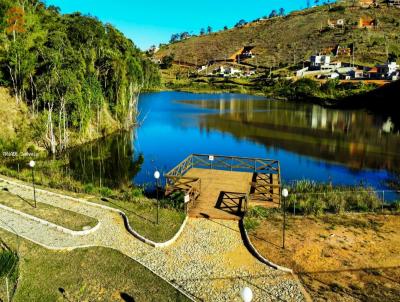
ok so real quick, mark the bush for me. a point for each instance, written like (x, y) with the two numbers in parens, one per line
(105, 192)
(396, 206)
(250, 224)
(337, 8)
(317, 198)
(89, 188)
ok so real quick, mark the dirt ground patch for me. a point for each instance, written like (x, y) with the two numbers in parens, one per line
(352, 257)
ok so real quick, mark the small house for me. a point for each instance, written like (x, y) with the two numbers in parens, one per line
(388, 69)
(336, 23)
(367, 22)
(247, 52)
(367, 3)
(356, 74)
(394, 3)
(320, 62)
(242, 54)
(232, 71)
(333, 75)
(373, 73)
(202, 68)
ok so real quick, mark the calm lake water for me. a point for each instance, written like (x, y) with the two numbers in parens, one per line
(345, 147)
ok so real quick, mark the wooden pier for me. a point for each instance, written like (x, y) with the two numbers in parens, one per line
(222, 187)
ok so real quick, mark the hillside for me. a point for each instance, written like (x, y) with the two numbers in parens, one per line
(293, 38)
(77, 77)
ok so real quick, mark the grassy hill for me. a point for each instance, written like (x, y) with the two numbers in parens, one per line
(293, 38)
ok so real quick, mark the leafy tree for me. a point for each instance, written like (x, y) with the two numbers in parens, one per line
(167, 61)
(174, 38)
(281, 12)
(70, 69)
(225, 27)
(241, 23)
(184, 35)
(273, 13)
(209, 29)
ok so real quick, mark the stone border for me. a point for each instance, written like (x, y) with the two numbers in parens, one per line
(148, 241)
(52, 248)
(50, 224)
(123, 215)
(254, 251)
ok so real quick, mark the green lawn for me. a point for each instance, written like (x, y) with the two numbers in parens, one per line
(68, 219)
(142, 216)
(94, 274)
(141, 211)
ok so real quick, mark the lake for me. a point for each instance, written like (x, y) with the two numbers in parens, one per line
(311, 142)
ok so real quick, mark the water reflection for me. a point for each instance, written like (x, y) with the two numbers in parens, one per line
(310, 141)
(355, 138)
(109, 162)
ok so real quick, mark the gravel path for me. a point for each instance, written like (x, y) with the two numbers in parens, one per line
(208, 261)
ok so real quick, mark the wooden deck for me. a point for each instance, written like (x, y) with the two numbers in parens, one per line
(223, 194)
(221, 187)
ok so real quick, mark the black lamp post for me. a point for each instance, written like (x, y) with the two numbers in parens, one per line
(157, 177)
(32, 164)
(285, 194)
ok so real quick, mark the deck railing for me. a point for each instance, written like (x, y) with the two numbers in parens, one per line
(227, 163)
(176, 181)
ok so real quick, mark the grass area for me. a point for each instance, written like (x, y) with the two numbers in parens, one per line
(68, 219)
(338, 257)
(140, 210)
(94, 274)
(309, 197)
(142, 216)
(9, 261)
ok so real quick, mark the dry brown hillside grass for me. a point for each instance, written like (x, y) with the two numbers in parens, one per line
(294, 37)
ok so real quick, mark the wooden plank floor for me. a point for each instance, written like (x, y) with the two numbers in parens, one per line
(221, 193)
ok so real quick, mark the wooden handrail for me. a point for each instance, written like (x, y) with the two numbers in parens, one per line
(176, 181)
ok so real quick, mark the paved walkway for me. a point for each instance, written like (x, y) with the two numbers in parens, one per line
(208, 261)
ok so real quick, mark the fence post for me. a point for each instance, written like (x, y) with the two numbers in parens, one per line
(294, 207)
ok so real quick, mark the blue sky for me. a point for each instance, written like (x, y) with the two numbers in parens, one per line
(153, 22)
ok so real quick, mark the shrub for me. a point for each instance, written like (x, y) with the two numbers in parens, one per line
(396, 206)
(88, 188)
(105, 192)
(317, 198)
(250, 224)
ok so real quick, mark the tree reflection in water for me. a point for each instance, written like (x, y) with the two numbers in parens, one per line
(109, 162)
